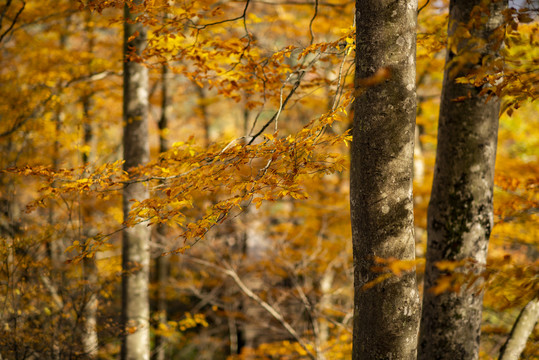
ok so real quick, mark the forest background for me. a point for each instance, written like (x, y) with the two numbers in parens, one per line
(249, 117)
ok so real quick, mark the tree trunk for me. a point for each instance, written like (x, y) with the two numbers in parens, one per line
(460, 213)
(162, 263)
(516, 342)
(89, 338)
(385, 315)
(135, 241)
(203, 113)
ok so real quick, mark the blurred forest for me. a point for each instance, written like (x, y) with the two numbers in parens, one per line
(249, 116)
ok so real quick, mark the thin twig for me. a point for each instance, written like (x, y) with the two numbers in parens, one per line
(339, 80)
(422, 7)
(250, 294)
(14, 19)
(283, 104)
(242, 16)
(312, 20)
(6, 7)
(302, 3)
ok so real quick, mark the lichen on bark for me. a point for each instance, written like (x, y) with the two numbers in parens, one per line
(460, 213)
(385, 315)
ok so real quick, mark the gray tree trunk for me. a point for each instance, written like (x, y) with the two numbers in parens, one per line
(460, 213)
(89, 337)
(386, 315)
(162, 263)
(136, 239)
(524, 325)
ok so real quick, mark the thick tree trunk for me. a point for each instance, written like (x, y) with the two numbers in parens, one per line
(460, 214)
(135, 242)
(385, 315)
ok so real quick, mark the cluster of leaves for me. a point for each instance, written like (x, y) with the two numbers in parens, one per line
(273, 174)
(270, 170)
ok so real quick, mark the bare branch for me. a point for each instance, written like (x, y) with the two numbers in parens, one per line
(14, 19)
(242, 16)
(281, 107)
(422, 7)
(250, 294)
(302, 3)
(312, 20)
(53, 291)
(4, 11)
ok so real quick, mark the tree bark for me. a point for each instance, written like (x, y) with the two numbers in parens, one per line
(162, 263)
(460, 213)
(385, 315)
(136, 239)
(203, 112)
(523, 327)
(89, 336)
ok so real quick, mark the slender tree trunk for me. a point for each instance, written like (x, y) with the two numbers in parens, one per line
(385, 315)
(326, 284)
(55, 247)
(460, 214)
(162, 263)
(203, 112)
(516, 342)
(89, 337)
(135, 241)
(162, 266)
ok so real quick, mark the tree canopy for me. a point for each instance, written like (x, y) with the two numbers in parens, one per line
(248, 200)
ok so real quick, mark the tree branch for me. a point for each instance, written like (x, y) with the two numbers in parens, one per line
(250, 294)
(422, 7)
(312, 20)
(14, 19)
(281, 107)
(242, 16)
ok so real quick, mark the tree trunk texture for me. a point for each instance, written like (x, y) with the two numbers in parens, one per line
(385, 315)
(460, 213)
(89, 337)
(523, 327)
(55, 248)
(162, 263)
(202, 111)
(135, 241)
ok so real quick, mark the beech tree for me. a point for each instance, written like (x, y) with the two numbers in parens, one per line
(162, 263)
(256, 115)
(526, 321)
(386, 314)
(460, 213)
(89, 335)
(136, 239)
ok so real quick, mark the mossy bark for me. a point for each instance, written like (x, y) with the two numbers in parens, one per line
(385, 315)
(460, 213)
(136, 239)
